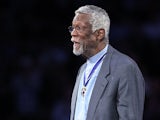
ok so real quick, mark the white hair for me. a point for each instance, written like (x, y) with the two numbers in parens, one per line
(99, 17)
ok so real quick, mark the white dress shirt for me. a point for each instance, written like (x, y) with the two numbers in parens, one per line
(83, 101)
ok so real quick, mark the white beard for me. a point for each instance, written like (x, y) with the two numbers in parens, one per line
(78, 51)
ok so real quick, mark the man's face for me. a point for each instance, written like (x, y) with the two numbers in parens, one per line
(84, 40)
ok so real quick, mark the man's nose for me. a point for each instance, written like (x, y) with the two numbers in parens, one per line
(74, 32)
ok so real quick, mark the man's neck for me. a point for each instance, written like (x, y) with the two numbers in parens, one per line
(95, 51)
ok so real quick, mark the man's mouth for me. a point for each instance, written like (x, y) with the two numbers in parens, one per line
(76, 44)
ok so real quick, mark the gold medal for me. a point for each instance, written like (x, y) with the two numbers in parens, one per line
(86, 81)
(83, 91)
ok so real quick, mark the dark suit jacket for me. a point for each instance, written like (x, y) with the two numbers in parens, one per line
(119, 90)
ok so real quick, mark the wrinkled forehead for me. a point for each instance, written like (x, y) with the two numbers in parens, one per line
(81, 17)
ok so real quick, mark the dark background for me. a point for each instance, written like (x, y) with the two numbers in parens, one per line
(38, 69)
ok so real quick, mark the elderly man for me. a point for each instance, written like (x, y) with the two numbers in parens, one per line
(110, 85)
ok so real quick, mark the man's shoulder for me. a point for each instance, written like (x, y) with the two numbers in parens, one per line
(121, 58)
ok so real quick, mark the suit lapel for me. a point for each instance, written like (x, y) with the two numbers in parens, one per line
(100, 84)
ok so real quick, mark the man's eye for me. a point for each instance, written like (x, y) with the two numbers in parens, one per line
(78, 28)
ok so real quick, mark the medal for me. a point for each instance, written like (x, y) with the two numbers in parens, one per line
(83, 91)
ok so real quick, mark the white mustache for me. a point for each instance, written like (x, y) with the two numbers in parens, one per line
(74, 40)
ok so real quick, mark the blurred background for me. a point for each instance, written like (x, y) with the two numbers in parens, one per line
(38, 69)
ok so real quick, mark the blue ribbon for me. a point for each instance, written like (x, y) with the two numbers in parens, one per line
(92, 71)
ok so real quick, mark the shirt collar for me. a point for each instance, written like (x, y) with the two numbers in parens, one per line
(95, 58)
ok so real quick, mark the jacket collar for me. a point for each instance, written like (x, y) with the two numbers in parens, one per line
(100, 84)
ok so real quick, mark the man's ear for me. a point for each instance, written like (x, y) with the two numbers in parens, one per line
(100, 34)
